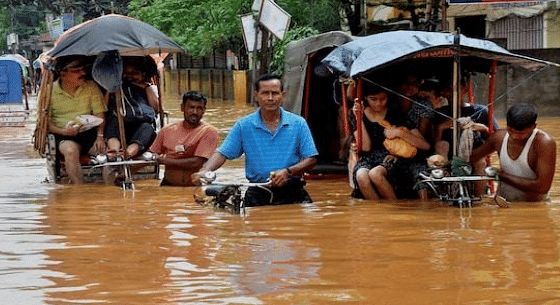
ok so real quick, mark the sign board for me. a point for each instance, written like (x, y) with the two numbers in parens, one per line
(67, 21)
(274, 18)
(56, 28)
(256, 5)
(249, 32)
(12, 38)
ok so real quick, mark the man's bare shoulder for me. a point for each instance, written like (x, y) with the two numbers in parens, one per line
(497, 137)
(545, 141)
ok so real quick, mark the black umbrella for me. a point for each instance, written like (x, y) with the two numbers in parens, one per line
(127, 35)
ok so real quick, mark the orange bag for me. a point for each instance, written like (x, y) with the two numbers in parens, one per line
(397, 146)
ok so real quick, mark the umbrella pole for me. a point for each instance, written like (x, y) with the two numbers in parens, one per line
(128, 184)
(491, 92)
(359, 114)
(456, 94)
(345, 109)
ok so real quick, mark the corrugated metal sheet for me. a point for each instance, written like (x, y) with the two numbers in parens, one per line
(520, 33)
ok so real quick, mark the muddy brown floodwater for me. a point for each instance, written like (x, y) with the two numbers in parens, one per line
(97, 244)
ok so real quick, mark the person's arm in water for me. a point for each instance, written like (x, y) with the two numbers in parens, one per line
(280, 177)
(215, 162)
(543, 164)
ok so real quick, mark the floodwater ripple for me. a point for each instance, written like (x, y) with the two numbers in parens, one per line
(97, 244)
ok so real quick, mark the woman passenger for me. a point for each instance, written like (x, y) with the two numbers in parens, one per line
(140, 104)
(378, 174)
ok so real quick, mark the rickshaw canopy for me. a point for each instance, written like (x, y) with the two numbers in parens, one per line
(369, 53)
(129, 36)
(297, 63)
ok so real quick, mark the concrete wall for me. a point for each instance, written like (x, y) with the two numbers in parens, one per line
(552, 24)
(516, 85)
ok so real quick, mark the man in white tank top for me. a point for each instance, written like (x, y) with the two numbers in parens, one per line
(527, 156)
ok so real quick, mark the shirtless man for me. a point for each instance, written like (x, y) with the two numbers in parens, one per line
(527, 156)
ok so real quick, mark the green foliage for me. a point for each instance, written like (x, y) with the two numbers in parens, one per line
(202, 26)
(22, 20)
(322, 15)
(199, 26)
(279, 51)
(27, 17)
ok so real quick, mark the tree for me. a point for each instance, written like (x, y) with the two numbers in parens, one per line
(199, 26)
(279, 51)
(202, 26)
(27, 17)
(352, 9)
(20, 19)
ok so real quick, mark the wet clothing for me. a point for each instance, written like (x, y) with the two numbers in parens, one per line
(265, 151)
(478, 114)
(177, 142)
(85, 139)
(65, 107)
(139, 118)
(141, 133)
(518, 167)
(292, 192)
(398, 173)
(421, 108)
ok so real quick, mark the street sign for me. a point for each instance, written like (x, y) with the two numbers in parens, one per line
(256, 5)
(249, 27)
(56, 28)
(11, 39)
(274, 18)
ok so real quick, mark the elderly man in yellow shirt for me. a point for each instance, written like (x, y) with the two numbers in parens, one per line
(74, 95)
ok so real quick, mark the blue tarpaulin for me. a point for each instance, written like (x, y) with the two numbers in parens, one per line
(366, 54)
(11, 82)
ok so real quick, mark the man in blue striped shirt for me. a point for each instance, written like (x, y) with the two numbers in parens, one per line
(277, 145)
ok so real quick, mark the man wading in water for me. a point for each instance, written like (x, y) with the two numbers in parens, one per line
(527, 156)
(277, 144)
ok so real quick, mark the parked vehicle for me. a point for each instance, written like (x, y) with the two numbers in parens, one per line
(14, 107)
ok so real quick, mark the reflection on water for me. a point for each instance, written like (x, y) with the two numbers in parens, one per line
(96, 244)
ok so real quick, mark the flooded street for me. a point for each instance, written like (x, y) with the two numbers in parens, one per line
(97, 244)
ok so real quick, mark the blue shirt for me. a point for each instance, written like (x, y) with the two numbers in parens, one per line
(266, 151)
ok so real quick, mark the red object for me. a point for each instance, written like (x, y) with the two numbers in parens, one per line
(359, 114)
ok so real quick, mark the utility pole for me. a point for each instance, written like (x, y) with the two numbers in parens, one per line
(444, 24)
